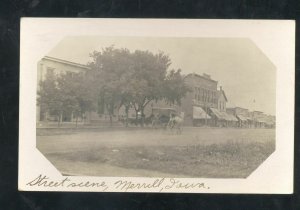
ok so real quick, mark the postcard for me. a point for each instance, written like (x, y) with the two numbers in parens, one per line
(157, 105)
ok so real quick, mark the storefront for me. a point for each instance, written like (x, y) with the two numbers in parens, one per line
(200, 117)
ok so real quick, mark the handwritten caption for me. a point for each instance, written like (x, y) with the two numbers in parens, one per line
(121, 185)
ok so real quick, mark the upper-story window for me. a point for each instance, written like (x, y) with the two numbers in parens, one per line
(71, 74)
(50, 70)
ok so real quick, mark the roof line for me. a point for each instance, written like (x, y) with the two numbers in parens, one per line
(198, 75)
(66, 62)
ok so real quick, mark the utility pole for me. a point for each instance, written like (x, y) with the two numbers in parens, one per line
(205, 114)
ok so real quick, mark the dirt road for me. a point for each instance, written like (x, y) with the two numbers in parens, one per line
(128, 138)
(208, 152)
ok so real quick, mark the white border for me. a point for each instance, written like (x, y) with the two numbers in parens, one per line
(274, 37)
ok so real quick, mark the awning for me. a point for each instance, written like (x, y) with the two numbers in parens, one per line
(199, 113)
(218, 114)
(242, 118)
(231, 117)
(261, 120)
(270, 122)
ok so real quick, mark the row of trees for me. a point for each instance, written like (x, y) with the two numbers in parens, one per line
(117, 77)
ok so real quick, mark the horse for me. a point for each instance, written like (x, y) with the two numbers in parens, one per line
(175, 122)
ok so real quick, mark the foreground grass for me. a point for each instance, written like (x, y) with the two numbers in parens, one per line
(232, 159)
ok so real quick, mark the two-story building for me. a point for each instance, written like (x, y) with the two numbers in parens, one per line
(203, 96)
(58, 66)
(220, 118)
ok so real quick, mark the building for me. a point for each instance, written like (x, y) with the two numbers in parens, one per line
(203, 96)
(222, 100)
(261, 120)
(243, 115)
(220, 118)
(58, 66)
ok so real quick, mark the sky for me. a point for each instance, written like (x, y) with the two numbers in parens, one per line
(246, 75)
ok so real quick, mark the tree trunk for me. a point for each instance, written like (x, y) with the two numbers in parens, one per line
(126, 120)
(110, 120)
(58, 120)
(61, 118)
(142, 117)
(76, 120)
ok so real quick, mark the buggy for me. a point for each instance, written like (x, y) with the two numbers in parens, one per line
(161, 116)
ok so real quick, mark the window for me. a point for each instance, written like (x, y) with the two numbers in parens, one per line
(50, 70)
(208, 96)
(70, 74)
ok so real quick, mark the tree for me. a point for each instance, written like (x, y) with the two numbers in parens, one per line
(107, 70)
(174, 87)
(50, 98)
(148, 79)
(121, 78)
(77, 98)
(65, 94)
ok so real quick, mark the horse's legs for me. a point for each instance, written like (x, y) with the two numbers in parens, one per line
(179, 130)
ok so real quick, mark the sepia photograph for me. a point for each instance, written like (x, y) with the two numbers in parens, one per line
(169, 108)
(176, 107)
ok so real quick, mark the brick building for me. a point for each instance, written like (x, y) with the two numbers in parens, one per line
(205, 104)
(203, 96)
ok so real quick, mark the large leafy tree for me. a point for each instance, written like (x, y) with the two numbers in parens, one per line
(77, 97)
(148, 80)
(65, 94)
(122, 78)
(109, 74)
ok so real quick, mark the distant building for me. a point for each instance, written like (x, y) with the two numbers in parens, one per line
(255, 119)
(261, 120)
(220, 118)
(243, 116)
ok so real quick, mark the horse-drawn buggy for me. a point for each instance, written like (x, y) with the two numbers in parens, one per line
(167, 118)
